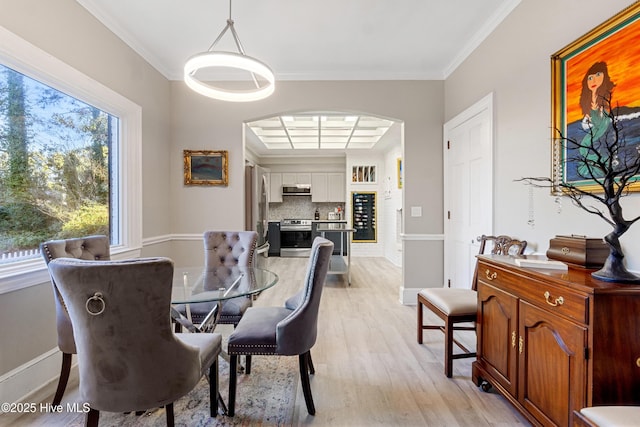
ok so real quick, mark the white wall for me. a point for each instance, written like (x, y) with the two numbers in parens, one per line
(202, 123)
(391, 204)
(67, 31)
(514, 63)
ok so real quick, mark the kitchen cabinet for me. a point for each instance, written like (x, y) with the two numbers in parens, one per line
(339, 244)
(273, 237)
(338, 264)
(556, 341)
(319, 187)
(294, 178)
(336, 187)
(328, 187)
(275, 187)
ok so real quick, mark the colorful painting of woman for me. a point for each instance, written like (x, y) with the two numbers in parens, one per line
(595, 102)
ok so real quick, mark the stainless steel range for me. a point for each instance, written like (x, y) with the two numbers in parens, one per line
(295, 237)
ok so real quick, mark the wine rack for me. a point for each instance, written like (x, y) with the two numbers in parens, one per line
(363, 216)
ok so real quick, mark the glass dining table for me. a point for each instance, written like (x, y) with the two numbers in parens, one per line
(214, 284)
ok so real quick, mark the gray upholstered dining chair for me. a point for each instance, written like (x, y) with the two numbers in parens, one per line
(283, 331)
(90, 248)
(129, 358)
(459, 305)
(230, 249)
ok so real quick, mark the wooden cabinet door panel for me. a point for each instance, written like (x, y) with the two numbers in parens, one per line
(615, 356)
(497, 334)
(552, 365)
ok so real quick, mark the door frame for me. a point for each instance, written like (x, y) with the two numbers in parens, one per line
(484, 104)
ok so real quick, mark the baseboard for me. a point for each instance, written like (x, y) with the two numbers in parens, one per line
(25, 380)
(408, 296)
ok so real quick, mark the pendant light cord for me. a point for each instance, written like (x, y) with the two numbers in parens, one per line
(229, 59)
(230, 26)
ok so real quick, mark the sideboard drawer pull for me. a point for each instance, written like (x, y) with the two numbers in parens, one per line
(565, 250)
(558, 301)
(490, 276)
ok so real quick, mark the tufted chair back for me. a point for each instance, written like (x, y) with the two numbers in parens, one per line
(284, 331)
(88, 248)
(297, 333)
(229, 248)
(129, 359)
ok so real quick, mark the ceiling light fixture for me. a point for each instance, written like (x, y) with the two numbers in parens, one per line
(238, 61)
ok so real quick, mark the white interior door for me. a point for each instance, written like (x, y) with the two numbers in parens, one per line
(468, 182)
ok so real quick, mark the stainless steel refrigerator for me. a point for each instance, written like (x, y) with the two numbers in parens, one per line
(256, 182)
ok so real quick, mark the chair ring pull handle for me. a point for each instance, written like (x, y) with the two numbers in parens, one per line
(95, 305)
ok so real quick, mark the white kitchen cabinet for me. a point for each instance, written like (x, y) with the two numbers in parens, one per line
(294, 178)
(328, 187)
(319, 187)
(275, 187)
(336, 187)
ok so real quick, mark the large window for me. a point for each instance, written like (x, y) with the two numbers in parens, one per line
(70, 160)
(56, 167)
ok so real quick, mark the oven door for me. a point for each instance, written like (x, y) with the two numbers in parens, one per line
(295, 243)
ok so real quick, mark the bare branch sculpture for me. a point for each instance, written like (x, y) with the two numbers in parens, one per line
(609, 164)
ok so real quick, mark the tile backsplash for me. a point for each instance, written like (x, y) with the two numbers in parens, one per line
(300, 207)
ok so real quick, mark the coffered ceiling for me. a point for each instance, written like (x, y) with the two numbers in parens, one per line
(320, 130)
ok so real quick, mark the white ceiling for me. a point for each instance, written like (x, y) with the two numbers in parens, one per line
(301, 40)
(304, 40)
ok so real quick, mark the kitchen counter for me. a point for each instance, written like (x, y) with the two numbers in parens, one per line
(330, 220)
(337, 264)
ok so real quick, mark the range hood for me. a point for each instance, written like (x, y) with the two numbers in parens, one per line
(296, 190)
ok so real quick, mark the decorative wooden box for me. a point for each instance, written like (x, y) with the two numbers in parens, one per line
(578, 251)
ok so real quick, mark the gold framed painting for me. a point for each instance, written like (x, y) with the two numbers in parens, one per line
(206, 167)
(601, 65)
(399, 167)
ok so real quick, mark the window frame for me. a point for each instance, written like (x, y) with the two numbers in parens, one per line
(31, 61)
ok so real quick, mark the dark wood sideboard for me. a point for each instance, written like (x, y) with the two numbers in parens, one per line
(555, 341)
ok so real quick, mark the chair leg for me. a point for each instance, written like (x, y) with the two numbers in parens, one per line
(312, 369)
(65, 369)
(169, 410)
(91, 420)
(448, 348)
(247, 363)
(214, 389)
(306, 386)
(233, 374)
(419, 321)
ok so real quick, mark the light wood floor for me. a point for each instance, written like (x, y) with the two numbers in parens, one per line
(370, 371)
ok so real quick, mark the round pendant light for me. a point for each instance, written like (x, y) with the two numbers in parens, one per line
(228, 60)
(238, 61)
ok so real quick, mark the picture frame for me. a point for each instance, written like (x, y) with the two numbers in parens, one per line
(399, 167)
(611, 49)
(206, 167)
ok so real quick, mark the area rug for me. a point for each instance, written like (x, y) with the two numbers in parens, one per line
(265, 397)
